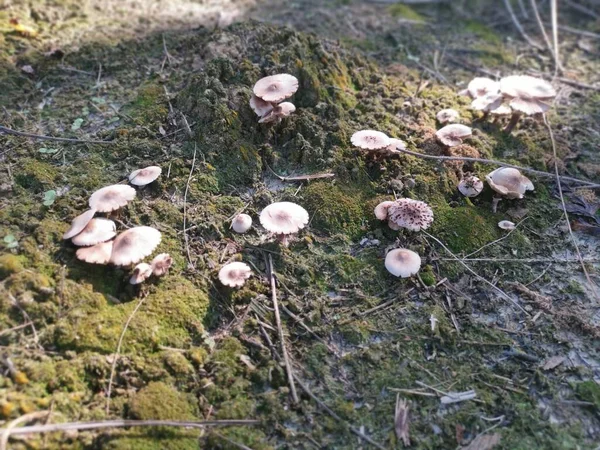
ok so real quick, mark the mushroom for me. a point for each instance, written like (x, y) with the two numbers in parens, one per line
(96, 231)
(110, 198)
(142, 177)
(526, 95)
(402, 262)
(140, 273)
(234, 274)
(79, 223)
(395, 145)
(134, 245)
(276, 87)
(447, 116)
(370, 140)
(161, 264)
(509, 183)
(506, 225)
(241, 223)
(413, 215)
(283, 218)
(96, 254)
(381, 210)
(500, 112)
(452, 135)
(278, 112)
(487, 104)
(259, 106)
(481, 86)
(470, 186)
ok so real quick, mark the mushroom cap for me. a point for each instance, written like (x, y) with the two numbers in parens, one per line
(506, 225)
(259, 106)
(140, 273)
(470, 186)
(502, 110)
(147, 175)
(381, 210)
(370, 140)
(480, 86)
(111, 197)
(447, 115)
(453, 135)
(413, 215)
(279, 111)
(402, 262)
(487, 102)
(79, 223)
(234, 274)
(96, 254)
(526, 87)
(283, 218)
(393, 225)
(509, 182)
(241, 223)
(134, 245)
(529, 106)
(395, 145)
(276, 87)
(161, 264)
(96, 231)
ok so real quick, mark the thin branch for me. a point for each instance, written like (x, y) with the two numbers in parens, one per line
(40, 137)
(582, 9)
(554, 19)
(564, 207)
(10, 428)
(302, 177)
(519, 26)
(538, 19)
(187, 188)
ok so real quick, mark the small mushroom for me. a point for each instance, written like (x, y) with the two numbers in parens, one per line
(526, 95)
(278, 112)
(234, 274)
(96, 231)
(140, 273)
(506, 225)
(481, 86)
(509, 183)
(370, 140)
(142, 177)
(470, 186)
(453, 135)
(395, 145)
(487, 103)
(413, 215)
(402, 262)
(259, 106)
(161, 264)
(447, 116)
(283, 219)
(96, 254)
(79, 223)
(110, 198)
(133, 245)
(276, 87)
(241, 223)
(381, 210)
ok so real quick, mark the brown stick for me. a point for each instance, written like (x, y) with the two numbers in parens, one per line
(40, 137)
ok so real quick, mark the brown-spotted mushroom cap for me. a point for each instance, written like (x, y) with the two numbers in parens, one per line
(447, 116)
(481, 86)
(509, 182)
(161, 264)
(134, 245)
(276, 87)
(259, 106)
(402, 262)
(527, 94)
(411, 214)
(470, 186)
(284, 218)
(96, 231)
(453, 135)
(79, 223)
(112, 197)
(370, 140)
(487, 103)
(142, 177)
(234, 274)
(381, 210)
(278, 112)
(96, 254)
(241, 223)
(140, 273)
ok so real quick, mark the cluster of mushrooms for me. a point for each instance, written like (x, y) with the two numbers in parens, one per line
(268, 94)
(95, 234)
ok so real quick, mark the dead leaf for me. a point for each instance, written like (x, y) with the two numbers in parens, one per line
(483, 442)
(401, 421)
(553, 362)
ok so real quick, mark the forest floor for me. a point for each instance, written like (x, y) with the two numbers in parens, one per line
(508, 315)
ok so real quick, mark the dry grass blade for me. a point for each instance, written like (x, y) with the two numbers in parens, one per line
(187, 188)
(519, 26)
(554, 18)
(538, 19)
(401, 421)
(40, 137)
(10, 428)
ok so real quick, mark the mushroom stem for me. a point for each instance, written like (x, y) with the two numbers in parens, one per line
(513, 122)
(483, 118)
(283, 239)
(495, 202)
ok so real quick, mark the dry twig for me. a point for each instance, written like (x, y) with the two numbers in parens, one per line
(187, 188)
(41, 137)
(519, 26)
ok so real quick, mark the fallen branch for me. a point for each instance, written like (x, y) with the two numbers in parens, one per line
(40, 137)
(315, 176)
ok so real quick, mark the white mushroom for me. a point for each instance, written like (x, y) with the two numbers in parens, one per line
(453, 135)
(509, 183)
(276, 87)
(234, 274)
(140, 273)
(413, 215)
(283, 218)
(481, 86)
(381, 210)
(259, 106)
(278, 112)
(526, 95)
(241, 223)
(142, 177)
(161, 264)
(447, 116)
(506, 225)
(110, 198)
(470, 186)
(402, 262)
(370, 140)
(96, 231)
(96, 254)
(79, 223)
(133, 245)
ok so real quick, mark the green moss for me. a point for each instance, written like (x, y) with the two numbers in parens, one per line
(36, 175)
(150, 105)
(589, 391)
(405, 12)
(10, 264)
(162, 402)
(427, 276)
(482, 31)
